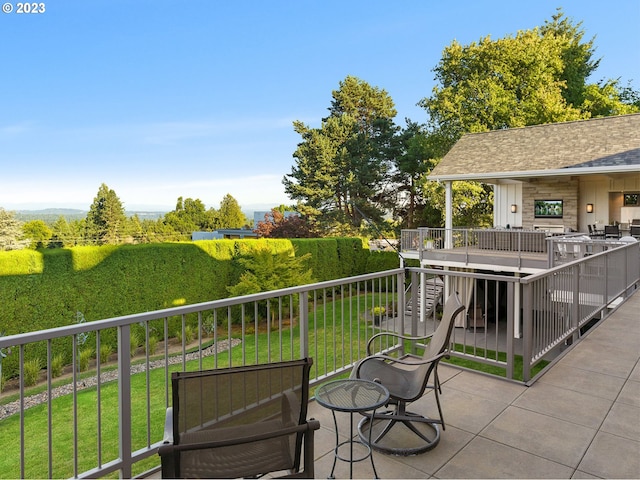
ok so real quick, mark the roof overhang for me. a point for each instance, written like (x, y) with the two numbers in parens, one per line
(506, 177)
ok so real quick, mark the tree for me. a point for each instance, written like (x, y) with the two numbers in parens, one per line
(537, 76)
(10, 231)
(106, 217)
(62, 234)
(189, 216)
(415, 156)
(344, 163)
(277, 224)
(38, 232)
(230, 214)
(266, 271)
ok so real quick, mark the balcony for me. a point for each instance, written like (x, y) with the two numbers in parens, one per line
(109, 419)
(508, 250)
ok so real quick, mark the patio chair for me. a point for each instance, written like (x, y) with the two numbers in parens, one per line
(611, 231)
(240, 422)
(635, 231)
(407, 378)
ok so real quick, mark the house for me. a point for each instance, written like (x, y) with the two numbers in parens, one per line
(548, 180)
(590, 169)
(552, 184)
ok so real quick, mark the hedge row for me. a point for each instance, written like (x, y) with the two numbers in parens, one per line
(52, 288)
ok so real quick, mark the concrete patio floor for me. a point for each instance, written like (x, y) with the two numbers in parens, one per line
(581, 419)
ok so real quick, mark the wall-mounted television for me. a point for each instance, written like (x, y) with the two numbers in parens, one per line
(547, 208)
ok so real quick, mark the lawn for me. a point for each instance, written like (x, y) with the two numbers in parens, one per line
(331, 343)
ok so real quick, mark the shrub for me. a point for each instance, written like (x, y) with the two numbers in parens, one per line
(189, 333)
(57, 365)
(105, 351)
(84, 358)
(31, 372)
(153, 345)
(134, 343)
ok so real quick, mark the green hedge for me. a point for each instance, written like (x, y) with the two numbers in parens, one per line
(51, 288)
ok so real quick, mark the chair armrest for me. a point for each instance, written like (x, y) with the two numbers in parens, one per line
(414, 360)
(168, 426)
(227, 442)
(395, 335)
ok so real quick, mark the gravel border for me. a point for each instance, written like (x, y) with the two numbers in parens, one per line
(33, 400)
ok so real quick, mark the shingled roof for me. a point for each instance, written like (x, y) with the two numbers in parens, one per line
(609, 143)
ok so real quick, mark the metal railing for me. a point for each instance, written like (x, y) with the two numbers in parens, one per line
(506, 316)
(329, 321)
(559, 247)
(560, 303)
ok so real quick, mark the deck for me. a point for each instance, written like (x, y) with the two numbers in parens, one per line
(581, 419)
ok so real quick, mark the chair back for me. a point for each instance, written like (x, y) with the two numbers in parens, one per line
(441, 337)
(612, 231)
(590, 229)
(230, 403)
(635, 231)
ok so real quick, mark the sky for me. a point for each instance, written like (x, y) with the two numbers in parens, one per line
(196, 98)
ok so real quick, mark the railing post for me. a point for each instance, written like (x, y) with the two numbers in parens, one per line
(575, 310)
(527, 335)
(304, 324)
(124, 399)
(511, 318)
(414, 308)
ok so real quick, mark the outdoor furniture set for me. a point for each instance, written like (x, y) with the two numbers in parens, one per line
(252, 420)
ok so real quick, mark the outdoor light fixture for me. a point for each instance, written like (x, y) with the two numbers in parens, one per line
(514, 208)
(589, 207)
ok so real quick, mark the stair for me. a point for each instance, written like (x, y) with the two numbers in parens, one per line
(433, 297)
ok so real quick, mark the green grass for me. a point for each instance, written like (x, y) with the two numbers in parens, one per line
(493, 369)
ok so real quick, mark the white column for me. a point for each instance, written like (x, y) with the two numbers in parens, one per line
(517, 333)
(448, 219)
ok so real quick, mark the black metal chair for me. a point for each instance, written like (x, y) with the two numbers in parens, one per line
(240, 422)
(611, 231)
(635, 231)
(407, 378)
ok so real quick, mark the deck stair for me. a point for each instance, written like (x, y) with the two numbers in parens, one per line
(433, 296)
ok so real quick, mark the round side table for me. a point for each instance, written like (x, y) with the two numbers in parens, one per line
(352, 396)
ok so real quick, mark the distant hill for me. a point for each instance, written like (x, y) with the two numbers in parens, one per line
(50, 215)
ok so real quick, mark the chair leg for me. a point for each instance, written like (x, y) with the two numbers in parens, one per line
(438, 403)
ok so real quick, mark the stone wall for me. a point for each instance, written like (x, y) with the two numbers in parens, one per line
(566, 189)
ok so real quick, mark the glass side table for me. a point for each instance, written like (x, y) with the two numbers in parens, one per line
(352, 396)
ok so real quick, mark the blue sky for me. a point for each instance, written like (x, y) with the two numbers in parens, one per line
(160, 99)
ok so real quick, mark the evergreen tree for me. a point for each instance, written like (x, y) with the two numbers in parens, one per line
(106, 218)
(10, 231)
(61, 234)
(230, 214)
(344, 164)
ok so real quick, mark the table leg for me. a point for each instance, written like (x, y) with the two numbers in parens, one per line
(350, 444)
(375, 473)
(335, 453)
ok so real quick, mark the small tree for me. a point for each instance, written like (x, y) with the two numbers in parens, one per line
(267, 271)
(278, 225)
(38, 232)
(10, 231)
